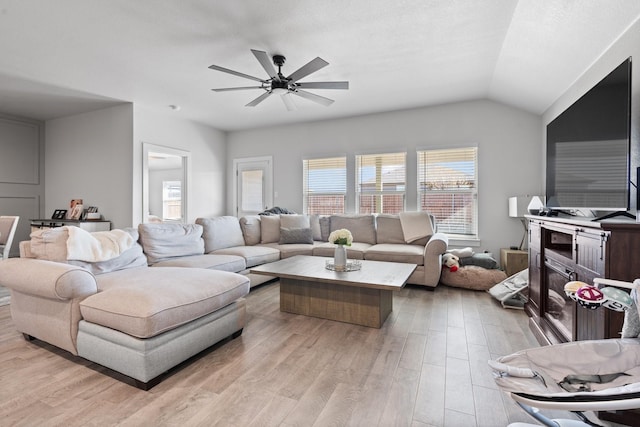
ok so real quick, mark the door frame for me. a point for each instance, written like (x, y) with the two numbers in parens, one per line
(268, 179)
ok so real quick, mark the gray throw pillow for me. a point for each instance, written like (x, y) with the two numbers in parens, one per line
(484, 260)
(296, 235)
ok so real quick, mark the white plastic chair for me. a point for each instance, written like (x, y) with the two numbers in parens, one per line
(8, 225)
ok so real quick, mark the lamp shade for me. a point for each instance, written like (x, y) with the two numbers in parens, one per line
(519, 206)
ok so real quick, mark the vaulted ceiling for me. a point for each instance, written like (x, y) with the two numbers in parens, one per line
(68, 56)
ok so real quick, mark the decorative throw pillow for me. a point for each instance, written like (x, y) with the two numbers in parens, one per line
(296, 235)
(484, 260)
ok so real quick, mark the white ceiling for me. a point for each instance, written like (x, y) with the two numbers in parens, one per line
(68, 56)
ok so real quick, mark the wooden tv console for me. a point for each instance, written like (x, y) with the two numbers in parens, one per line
(564, 249)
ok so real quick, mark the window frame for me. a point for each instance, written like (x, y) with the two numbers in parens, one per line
(340, 186)
(379, 192)
(450, 155)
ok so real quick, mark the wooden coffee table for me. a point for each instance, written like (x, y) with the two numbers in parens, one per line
(363, 297)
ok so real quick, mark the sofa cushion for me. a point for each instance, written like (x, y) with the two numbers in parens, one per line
(325, 227)
(289, 250)
(296, 235)
(355, 251)
(316, 230)
(232, 263)
(149, 301)
(250, 226)
(389, 229)
(270, 229)
(362, 227)
(221, 232)
(253, 255)
(51, 245)
(294, 221)
(391, 252)
(161, 241)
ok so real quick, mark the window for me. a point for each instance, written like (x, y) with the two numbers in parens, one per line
(171, 200)
(325, 185)
(381, 183)
(448, 189)
(251, 190)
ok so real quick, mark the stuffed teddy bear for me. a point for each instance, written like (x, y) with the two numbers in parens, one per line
(450, 260)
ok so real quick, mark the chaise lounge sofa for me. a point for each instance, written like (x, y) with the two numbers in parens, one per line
(120, 313)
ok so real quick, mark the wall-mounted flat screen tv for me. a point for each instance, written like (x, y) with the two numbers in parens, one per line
(588, 148)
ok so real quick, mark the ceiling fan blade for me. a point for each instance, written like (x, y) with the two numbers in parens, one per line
(259, 99)
(225, 89)
(313, 97)
(310, 67)
(324, 85)
(288, 101)
(265, 61)
(236, 73)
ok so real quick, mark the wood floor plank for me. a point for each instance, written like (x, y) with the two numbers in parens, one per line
(488, 414)
(458, 395)
(425, 367)
(429, 406)
(402, 397)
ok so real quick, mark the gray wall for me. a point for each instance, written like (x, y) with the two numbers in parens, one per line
(207, 185)
(509, 156)
(627, 45)
(88, 156)
(21, 173)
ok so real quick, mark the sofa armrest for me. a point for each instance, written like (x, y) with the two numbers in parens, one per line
(437, 245)
(47, 279)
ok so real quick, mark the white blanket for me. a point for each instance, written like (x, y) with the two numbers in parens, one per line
(415, 225)
(97, 246)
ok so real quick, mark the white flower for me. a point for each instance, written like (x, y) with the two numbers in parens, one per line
(341, 237)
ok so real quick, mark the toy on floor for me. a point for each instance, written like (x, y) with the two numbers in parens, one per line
(451, 261)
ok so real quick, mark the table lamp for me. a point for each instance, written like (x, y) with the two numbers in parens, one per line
(519, 206)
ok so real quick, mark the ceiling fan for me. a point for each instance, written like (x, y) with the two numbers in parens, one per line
(285, 86)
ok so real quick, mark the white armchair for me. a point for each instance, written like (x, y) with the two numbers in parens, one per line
(8, 226)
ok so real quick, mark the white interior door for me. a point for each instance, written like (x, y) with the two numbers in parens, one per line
(254, 185)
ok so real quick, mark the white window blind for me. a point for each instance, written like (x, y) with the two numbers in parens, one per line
(324, 185)
(448, 189)
(381, 182)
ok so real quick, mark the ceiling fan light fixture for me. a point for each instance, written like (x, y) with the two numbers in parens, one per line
(279, 84)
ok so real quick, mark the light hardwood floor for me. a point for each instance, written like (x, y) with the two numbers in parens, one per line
(427, 366)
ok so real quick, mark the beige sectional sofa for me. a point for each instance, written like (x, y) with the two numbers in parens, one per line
(233, 244)
(172, 290)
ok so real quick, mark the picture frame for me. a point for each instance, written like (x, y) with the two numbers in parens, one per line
(76, 209)
(59, 214)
